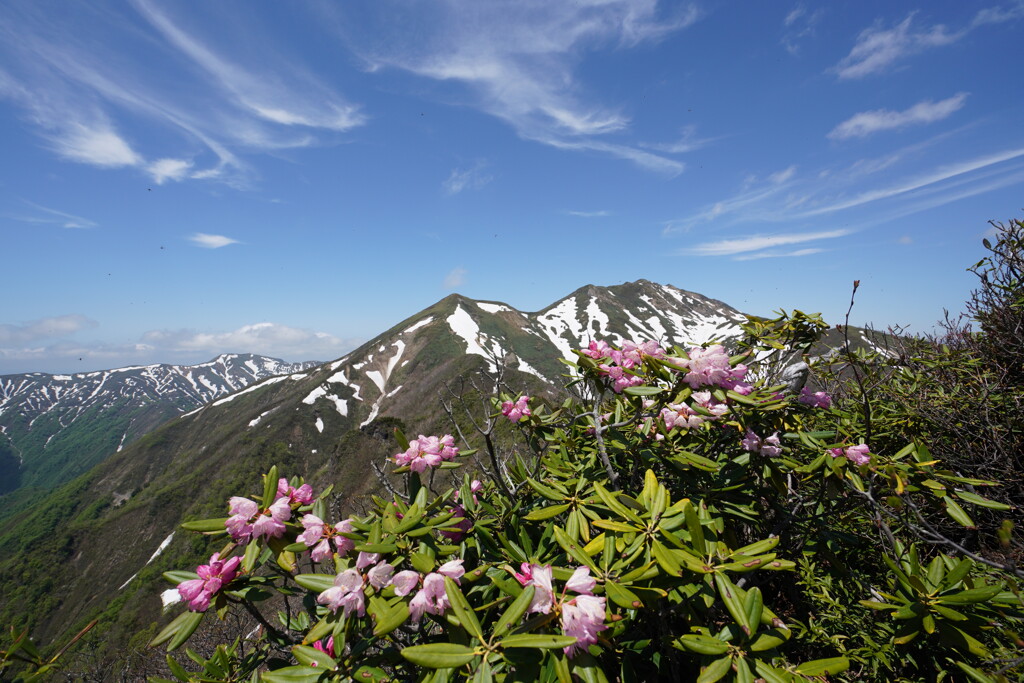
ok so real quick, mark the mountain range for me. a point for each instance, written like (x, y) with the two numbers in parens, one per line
(96, 546)
(54, 427)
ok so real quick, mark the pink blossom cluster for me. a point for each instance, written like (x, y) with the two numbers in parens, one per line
(711, 367)
(463, 526)
(858, 455)
(516, 411)
(325, 646)
(623, 361)
(212, 577)
(770, 446)
(427, 451)
(816, 399)
(683, 416)
(324, 539)
(582, 616)
(349, 590)
(248, 521)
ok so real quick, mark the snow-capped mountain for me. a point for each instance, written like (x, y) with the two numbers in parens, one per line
(56, 426)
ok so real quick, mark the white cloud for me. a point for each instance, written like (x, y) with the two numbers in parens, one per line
(42, 214)
(589, 214)
(163, 170)
(212, 241)
(466, 178)
(877, 48)
(455, 278)
(44, 328)
(517, 61)
(687, 142)
(778, 254)
(98, 146)
(19, 353)
(780, 177)
(867, 122)
(799, 25)
(757, 242)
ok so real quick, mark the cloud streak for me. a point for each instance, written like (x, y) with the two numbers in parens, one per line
(878, 48)
(740, 245)
(517, 62)
(44, 328)
(867, 123)
(472, 178)
(201, 239)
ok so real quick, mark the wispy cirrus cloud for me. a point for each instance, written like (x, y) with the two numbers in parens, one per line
(517, 61)
(589, 214)
(741, 245)
(779, 254)
(866, 123)
(873, 190)
(72, 74)
(201, 239)
(30, 212)
(456, 277)
(878, 48)
(799, 25)
(471, 178)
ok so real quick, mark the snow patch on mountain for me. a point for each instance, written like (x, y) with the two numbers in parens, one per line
(492, 308)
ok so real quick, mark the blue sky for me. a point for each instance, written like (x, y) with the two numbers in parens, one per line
(180, 179)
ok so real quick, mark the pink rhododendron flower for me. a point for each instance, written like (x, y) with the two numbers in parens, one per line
(817, 399)
(320, 536)
(540, 578)
(681, 416)
(705, 400)
(597, 349)
(366, 559)
(770, 446)
(581, 581)
(212, 577)
(380, 575)
(327, 647)
(452, 569)
(858, 455)
(708, 366)
(346, 593)
(247, 521)
(270, 522)
(405, 581)
(582, 618)
(302, 495)
(427, 451)
(431, 599)
(516, 411)
(239, 523)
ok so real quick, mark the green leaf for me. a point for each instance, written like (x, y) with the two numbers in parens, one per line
(292, 674)
(622, 596)
(187, 627)
(548, 512)
(540, 640)
(715, 670)
(975, 674)
(172, 628)
(769, 640)
(545, 491)
(206, 525)
(733, 601)
(270, 487)
(439, 655)
(317, 583)
(178, 576)
(971, 596)
(820, 667)
(377, 548)
(515, 611)
(615, 526)
(462, 609)
(983, 502)
(958, 514)
(701, 644)
(310, 656)
(643, 391)
(391, 619)
(574, 550)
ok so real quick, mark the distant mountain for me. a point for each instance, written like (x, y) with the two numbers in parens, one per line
(54, 427)
(105, 537)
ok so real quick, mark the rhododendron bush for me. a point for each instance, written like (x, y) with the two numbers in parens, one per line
(680, 518)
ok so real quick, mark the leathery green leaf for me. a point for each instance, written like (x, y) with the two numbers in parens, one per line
(730, 595)
(515, 611)
(310, 656)
(715, 670)
(820, 667)
(548, 512)
(317, 583)
(462, 609)
(541, 640)
(439, 655)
